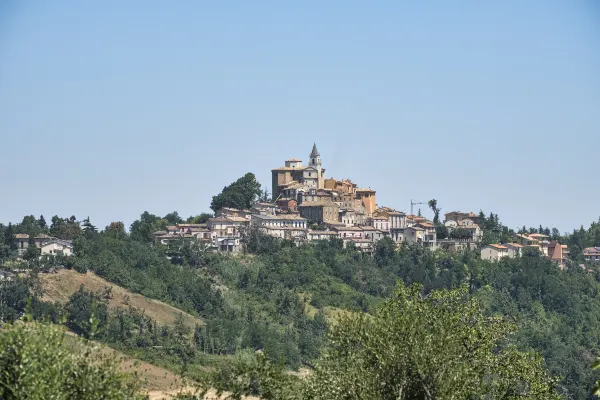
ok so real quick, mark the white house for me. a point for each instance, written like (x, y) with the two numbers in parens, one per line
(494, 252)
(57, 246)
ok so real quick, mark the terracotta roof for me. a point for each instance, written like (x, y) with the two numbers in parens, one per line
(282, 228)
(347, 228)
(538, 235)
(298, 168)
(264, 204)
(368, 228)
(172, 228)
(22, 236)
(294, 160)
(513, 245)
(317, 204)
(497, 246)
(426, 224)
(280, 216)
(228, 219)
(313, 232)
(474, 226)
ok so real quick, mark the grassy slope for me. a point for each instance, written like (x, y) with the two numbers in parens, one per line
(60, 286)
(158, 383)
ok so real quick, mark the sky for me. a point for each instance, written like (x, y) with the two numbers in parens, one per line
(111, 108)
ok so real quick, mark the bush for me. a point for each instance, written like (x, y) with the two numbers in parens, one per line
(37, 364)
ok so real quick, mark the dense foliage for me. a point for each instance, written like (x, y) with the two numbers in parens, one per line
(279, 298)
(436, 347)
(37, 363)
(241, 194)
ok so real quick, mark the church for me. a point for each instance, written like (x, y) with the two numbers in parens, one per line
(311, 176)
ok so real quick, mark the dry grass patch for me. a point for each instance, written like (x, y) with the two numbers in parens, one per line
(60, 286)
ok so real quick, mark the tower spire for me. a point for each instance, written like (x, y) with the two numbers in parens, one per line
(315, 152)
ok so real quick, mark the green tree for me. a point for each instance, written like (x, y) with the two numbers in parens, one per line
(173, 218)
(116, 230)
(65, 228)
(436, 211)
(32, 251)
(9, 237)
(441, 231)
(42, 223)
(201, 218)
(240, 194)
(88, 228)
(437, 346)
(434, 347)
(87, 312)
(143, 228)
(37, 363)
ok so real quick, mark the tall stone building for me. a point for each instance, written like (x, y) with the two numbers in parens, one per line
(310, 176)
(307, 183)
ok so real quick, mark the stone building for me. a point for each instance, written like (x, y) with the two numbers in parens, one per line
(310, 176)
(319, 212)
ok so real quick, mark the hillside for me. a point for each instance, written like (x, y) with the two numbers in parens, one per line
(58, 287)
(158, 383)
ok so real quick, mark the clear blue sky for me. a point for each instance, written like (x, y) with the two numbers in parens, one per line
(111, 108)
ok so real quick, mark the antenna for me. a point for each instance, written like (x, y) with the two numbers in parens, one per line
(412, 204)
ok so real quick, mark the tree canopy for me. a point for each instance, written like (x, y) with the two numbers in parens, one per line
(240, 194)
(438, 346)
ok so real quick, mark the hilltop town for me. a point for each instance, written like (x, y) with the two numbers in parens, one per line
(308, 206)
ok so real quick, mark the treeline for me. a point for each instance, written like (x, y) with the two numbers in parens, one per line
(279, 298)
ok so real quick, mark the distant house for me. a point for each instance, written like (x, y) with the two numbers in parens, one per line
(456, 245)
(287, 205)
(284, 226)
(364, 245)
(232, 212)
(319, 212)
(22, 240)
(558, 252)
(349, 232)
(227, 232)
(429, 236)
(263, 208)
(413, 234)
(350, 217)
(381, 222)
(458, 216)
(57, 246)
(591, 254)
(494, 252)
(321, 235)
(514, 249)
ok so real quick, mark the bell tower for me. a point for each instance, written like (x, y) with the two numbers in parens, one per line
(315, 162)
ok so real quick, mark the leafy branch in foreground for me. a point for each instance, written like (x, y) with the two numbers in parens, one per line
(38, 361)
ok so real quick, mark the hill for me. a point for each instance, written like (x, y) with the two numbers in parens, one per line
(158, 383)
(58, 287)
